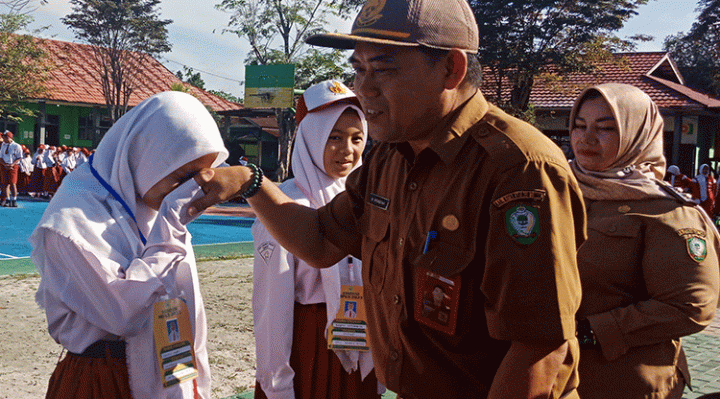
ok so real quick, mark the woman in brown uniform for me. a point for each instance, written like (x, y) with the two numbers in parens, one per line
(649, 268)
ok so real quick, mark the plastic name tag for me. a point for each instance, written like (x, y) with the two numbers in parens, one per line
(349, 329)
(436, 300)
(174, 342)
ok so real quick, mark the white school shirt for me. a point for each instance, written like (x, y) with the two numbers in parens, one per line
(14, 152)
(39, 161)
(279, 280)
(68, 164)
(88, 298)
(26, 165)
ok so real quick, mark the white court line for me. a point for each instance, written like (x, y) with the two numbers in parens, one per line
(8, 256)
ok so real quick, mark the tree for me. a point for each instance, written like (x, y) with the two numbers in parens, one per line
(191, 77)
(518, 39)
(123, 33)
(23, 66)
(697, 53)
(226, 96)
(276, 31)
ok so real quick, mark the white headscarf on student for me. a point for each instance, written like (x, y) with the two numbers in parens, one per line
(308, 168)
(307, 161)
(639, 166)
(702, 179)
(152, 140)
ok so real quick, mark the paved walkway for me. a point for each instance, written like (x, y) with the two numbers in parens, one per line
(703, 354)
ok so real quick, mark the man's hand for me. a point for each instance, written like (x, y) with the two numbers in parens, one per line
(219, 185)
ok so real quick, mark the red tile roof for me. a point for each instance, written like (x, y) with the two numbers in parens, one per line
(73, 78)
(655, 73)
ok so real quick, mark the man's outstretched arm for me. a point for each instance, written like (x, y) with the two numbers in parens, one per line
(296, 227)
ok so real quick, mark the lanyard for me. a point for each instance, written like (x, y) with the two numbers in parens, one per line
(116, 195)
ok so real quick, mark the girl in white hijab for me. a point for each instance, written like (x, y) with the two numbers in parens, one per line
(649, 267)
(294, 303)
(112, 243)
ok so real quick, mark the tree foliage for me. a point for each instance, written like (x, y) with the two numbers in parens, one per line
(122, 33)
(697, 53)
(23, 66)
(226, 96)
(518, 39)
(188, 75)
(276, 31)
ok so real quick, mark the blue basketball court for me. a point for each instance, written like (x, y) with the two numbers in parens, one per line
(210, 234)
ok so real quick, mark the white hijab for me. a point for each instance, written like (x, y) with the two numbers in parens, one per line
(155, 138)
(702, 179)
(307, 161)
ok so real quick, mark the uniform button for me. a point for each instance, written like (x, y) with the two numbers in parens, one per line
(396, 299)
(612, 228)
(394, 355)
(400, 242)
(413, 186)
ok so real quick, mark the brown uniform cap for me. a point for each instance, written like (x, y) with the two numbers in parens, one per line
(442, 24)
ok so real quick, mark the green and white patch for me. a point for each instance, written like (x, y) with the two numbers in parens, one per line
(522, 223)
(697, 248)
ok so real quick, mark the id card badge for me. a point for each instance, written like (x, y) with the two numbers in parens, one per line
(174, 341)
(436, 300)
(349, 329)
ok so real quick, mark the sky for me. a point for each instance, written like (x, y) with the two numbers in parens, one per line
(198, 41)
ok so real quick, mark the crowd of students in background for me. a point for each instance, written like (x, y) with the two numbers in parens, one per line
(40, 173)
(702, 188)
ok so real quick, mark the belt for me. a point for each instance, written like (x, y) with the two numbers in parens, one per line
(102, 349)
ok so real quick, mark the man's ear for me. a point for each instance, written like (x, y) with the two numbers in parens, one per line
(456, 63)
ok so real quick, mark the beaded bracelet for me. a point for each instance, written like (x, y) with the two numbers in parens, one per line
(256, 183)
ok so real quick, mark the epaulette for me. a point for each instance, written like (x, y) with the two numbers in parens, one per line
(493, 140)
(682, 198)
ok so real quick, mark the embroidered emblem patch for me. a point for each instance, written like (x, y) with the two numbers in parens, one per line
(522, 223)
(337, 88)
(266, 250)
(535, 195)
(696, 248)
(370, 13)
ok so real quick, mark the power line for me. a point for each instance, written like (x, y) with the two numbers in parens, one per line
(205, 72)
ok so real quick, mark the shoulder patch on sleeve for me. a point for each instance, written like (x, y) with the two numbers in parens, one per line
(532, 195)
(523, 224)
(695, 243)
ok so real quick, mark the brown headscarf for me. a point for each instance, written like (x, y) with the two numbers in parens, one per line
(639, 166)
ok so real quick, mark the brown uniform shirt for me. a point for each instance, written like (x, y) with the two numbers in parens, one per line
(649, 272)
(508, 216)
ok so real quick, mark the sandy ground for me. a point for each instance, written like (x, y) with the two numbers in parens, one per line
(28, 355)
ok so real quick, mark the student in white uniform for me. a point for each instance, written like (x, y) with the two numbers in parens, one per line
(294, 303)
(112, 243)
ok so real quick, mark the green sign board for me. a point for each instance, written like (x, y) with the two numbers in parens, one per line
(269, 86)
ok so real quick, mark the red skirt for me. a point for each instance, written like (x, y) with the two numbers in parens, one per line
(24, 183)
(36, 180)
(318, 371)
(51, 180)
(85, 377)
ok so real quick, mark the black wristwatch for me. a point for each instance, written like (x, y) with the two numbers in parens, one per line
(586, 335)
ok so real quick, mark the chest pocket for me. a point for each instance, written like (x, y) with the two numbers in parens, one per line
(375, 228)
(445, 259)
(613, 243)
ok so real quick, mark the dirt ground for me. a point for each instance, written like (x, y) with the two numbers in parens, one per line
(28, 355)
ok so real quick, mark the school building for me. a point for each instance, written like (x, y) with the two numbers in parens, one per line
(72, 111)
(692, 119)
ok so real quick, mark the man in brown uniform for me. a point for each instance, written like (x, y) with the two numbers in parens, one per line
(456, 195)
